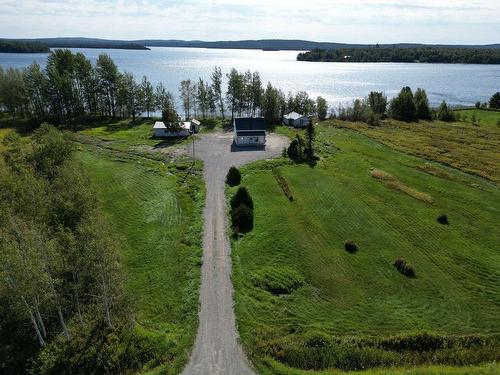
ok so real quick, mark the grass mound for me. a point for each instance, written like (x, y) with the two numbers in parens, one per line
(278, 280)
(404, 267)
(395, 184)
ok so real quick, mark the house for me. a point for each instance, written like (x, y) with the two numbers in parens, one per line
(296, 120)
(161, 130)
(249, 131)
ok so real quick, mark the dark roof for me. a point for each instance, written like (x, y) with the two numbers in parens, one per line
(250, 123)
(242, 133)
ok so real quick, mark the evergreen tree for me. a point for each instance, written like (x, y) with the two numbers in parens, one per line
(422, 108)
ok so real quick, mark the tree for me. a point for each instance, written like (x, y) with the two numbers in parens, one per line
(233, 177)
(202, 97)
(108, 76)
(422, 108)
(377, 102)
(217, 89)
(168, 113)
(495, 101)
(322, 108)
(242, 218)
(444, 113)
(271, 105)
(35, 84)
(256, 93)
(295, 150)
(129, 94)
(403, 106)
(148, 96)
(310, 135)
(186, 94)
(242, 196)
(235, 92)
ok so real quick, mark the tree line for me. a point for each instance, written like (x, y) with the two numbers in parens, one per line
(70, 86)
(22, 46)
(447, 55)
(60, 266)
(406, 106)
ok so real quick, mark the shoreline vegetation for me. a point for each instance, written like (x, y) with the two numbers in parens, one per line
(14, 46)
(422, 54)
(260, 44)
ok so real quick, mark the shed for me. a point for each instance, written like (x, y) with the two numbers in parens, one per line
(296, 120)
(249, 131)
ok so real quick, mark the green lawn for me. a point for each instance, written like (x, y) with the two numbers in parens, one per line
(156, 210)
(349, 301)
(486, 118)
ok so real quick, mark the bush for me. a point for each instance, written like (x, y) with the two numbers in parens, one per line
(444, 113)
(233, 177)
(495, 101)
(404, 267)
(242, 219)
(350, 246)
(443, 219)
(242, 196)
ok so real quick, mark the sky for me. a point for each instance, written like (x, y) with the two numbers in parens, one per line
(348, 21)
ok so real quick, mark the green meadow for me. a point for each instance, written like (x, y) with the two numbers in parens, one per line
(484, 118)
(155, 207)
(336, 310)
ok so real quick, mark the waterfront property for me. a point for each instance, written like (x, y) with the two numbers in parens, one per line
(249, 131)
(296, 120)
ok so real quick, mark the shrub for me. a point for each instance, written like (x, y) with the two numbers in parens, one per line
(242, 219)
(350, 246)
(478, 105)
(233, 177)
(404, 267)
(444, 113)
(402, 107)
(443, 219)
(242, 196)
(495, 101)
(278, 280)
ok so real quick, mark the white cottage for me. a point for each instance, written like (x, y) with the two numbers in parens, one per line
(161, 130)
(296, 120)
(249, 131)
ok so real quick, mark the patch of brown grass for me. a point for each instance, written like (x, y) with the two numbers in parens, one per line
(435, 171)
(395, 184)
(470, 149)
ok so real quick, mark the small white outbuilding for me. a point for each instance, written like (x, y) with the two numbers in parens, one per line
(296, 120)
(183, 129)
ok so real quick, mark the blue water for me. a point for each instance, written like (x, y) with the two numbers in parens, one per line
(458, 84)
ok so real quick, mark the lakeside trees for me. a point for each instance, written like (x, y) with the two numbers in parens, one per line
(410, 54)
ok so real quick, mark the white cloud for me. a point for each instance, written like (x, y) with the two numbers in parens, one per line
(452, 21)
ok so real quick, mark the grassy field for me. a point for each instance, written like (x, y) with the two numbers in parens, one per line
(355, 310)
(484, 118)
(471, 149)
(156, 210)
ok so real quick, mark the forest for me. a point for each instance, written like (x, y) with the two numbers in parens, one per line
(18, 46)
(447, 55)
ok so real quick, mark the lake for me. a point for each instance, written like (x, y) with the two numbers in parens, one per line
(458, 84)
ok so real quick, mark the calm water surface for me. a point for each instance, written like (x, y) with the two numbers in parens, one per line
(338, 82)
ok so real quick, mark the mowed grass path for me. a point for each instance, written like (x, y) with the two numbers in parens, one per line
(157, 212)
(457, 285)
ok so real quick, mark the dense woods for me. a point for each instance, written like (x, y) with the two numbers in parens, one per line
(408, 55)
(18, 46)
(60, 274)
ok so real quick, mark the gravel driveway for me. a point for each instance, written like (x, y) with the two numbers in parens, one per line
(217, 350)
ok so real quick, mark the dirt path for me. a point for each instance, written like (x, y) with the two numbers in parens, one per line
(217, 350)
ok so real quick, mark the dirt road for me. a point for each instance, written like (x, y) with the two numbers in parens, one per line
(217, 350)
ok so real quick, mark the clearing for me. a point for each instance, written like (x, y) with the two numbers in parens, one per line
(341, 306)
